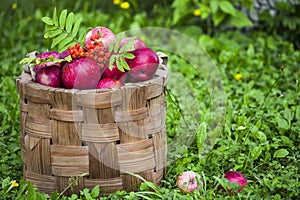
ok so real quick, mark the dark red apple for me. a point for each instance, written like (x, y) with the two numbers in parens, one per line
(139, 44)
(106, 36)
(109, 83)
(82, 73)
(49, 76)
(144, 65)
(237, 177)
(114, 73)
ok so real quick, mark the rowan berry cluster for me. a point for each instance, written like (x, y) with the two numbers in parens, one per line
(95, 51)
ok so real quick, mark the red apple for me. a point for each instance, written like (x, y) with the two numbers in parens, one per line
(187, 181)
(139, 44)
(237, 177)
(82, 73)
(114, 73)
(106, 36)
(49, 76)
(144, 65)
(109, 83)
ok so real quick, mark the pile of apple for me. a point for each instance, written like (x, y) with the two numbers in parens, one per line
(90, 67)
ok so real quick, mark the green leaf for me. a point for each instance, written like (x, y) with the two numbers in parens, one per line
(214, 4)
(117, 44)
(50, 28)
(62, 19)
(25, 61)
(298, 113)
(129, 55)
(218, 17)
(76, 26)
(281, 153)
(82, 36)
(240, 20)
(128, 46)
(69, 22)
(201, 136)
(95, 192)
(227, 7)
(124, 63)
(68, 58)
(51, 34)
(55, 19)
(119, 64)
(64, 43)
(111, 46)
(112, 60)
(58, 39)
(282, 123)
(48, 21)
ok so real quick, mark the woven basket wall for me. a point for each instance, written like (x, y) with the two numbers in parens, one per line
(94, 135)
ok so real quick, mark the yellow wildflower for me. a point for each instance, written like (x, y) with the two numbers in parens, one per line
(116, 2)
(238, 76)
(197, 12)
(14, 184)
(14, 6)
(125, 5)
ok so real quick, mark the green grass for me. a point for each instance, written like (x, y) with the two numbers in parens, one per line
(260, 136)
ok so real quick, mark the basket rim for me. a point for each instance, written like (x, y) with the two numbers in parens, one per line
(162, 74)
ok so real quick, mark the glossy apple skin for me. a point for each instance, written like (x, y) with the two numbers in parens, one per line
(49, 76)
(114, 73)
(139, 44)
(109, 83)
(82, 73)
(187, 181)
(106, 36)
(237, 177)
(143, 66)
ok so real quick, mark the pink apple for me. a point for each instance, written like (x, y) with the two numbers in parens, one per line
(106, 36)
(144, 65)
(139, 44)
(114, 73)
(49, 76)
(237, 177)
(109, 83)
(82, 73)
(187, 181)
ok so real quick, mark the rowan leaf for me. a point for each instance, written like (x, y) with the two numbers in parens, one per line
(112, 60)
(76, 26)
(64, 43)
(50, 27)
(51, 34)
(128, 55)
(62, 19)
(58, 39)
(55, 18)
(119, 64)
(48, 21)
(69, 22)
(128, 46)
(124, 63)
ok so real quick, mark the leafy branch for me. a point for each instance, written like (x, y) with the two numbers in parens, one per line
(63, 30)
(119, 53)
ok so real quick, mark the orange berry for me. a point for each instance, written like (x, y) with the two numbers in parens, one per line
(77, 45)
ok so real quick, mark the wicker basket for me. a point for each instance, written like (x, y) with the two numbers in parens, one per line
(93, 136)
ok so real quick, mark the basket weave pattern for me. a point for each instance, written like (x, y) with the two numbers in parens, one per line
(100, 133)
